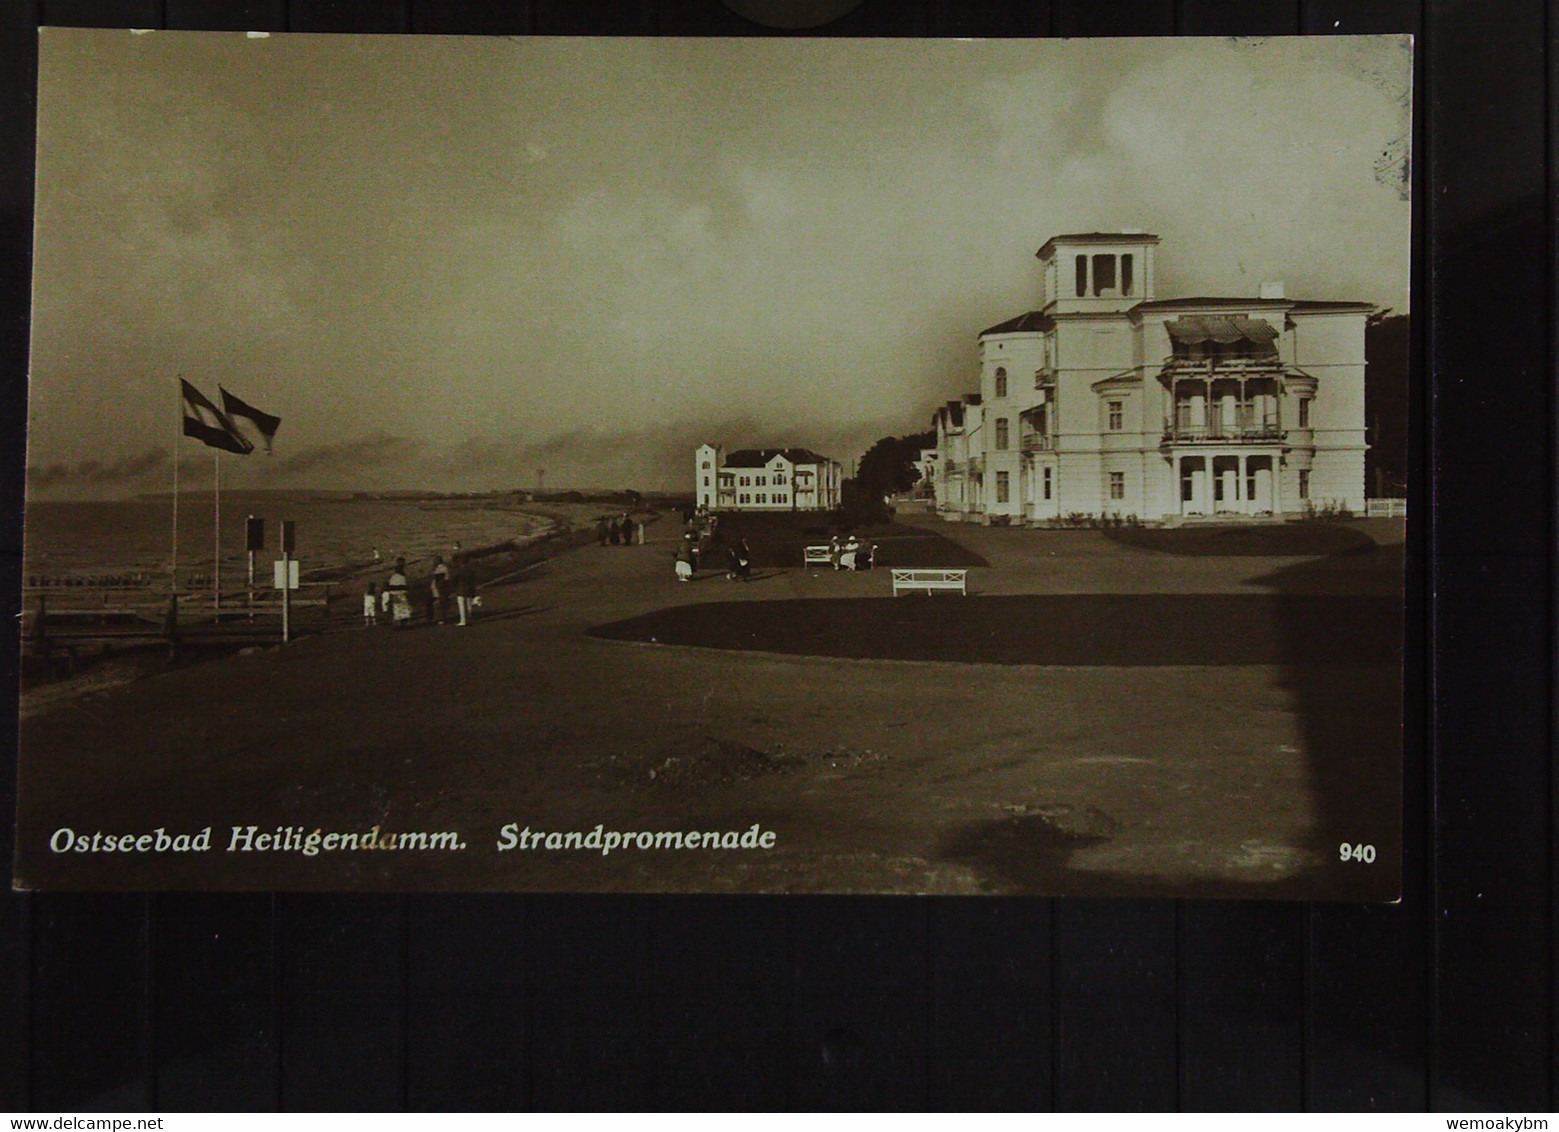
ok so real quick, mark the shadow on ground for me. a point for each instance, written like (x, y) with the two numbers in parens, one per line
(1275, 540)
(1351, 727)
(1113, 630)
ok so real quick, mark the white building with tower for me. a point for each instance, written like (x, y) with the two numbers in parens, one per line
(1111, 401)
(765, 479)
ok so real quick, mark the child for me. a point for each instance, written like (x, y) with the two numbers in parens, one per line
(371, 604)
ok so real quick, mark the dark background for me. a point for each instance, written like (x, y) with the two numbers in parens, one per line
(1445, 1000)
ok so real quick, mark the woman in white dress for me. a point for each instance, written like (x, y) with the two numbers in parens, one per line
(399, 590)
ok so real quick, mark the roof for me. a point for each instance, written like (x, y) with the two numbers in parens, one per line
(1213, 301)
(1301, 306)
(1097, 238)
(1123, 380)
(760, 457)
(1220, 328)
(1033, 320)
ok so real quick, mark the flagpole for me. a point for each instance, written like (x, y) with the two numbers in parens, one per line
(216, 568)
(178, 431)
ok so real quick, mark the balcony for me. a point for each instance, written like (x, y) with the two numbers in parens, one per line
(1036, 442)
(1255, 432)
(1266, 365)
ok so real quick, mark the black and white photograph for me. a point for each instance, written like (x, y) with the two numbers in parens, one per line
(955, 467)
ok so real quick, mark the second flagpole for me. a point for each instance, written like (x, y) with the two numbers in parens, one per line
(216, 563)
(178, 433)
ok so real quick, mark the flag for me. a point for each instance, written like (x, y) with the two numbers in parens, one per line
(255, 423)
(206, 423)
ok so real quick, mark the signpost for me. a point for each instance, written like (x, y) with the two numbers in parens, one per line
(287, 576)
(254, 540)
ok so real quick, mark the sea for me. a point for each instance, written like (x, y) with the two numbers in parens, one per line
(85, 542)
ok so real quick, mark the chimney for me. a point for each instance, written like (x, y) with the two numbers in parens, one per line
(1272, 289)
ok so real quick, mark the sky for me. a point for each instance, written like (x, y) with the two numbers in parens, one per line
(463, 263)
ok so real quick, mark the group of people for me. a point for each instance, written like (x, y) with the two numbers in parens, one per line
(394, 601)
(619, 530)
(700, 540)
(851, 553)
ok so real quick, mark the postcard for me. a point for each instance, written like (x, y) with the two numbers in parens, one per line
(729, 466)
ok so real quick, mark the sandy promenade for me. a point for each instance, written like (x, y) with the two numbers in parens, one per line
(872, 775)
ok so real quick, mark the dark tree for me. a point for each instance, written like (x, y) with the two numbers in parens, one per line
(1387, 387)
(888, 468)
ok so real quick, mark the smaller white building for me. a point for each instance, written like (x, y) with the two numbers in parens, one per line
(765, 479)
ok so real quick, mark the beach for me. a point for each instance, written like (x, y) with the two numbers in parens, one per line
(873, 775)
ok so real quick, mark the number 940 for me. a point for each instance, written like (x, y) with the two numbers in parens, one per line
(1365, 853)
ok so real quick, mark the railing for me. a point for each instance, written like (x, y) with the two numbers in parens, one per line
(1262, 433)
(1037, 442)
(1385, 508)
(152, 602)
(1182, 367)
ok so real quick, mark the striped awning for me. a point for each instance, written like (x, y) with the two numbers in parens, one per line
(1192, 329)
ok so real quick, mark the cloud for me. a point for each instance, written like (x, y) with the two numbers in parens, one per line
(376, 450)
(145, 470)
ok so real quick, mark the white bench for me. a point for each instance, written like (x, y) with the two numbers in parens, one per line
(816, 556)
(929, 580)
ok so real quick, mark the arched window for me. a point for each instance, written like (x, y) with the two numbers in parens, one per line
(1001, 381)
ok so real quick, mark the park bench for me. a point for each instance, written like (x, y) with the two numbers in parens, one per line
(929, 580)
(94, 612)
(816, 556)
